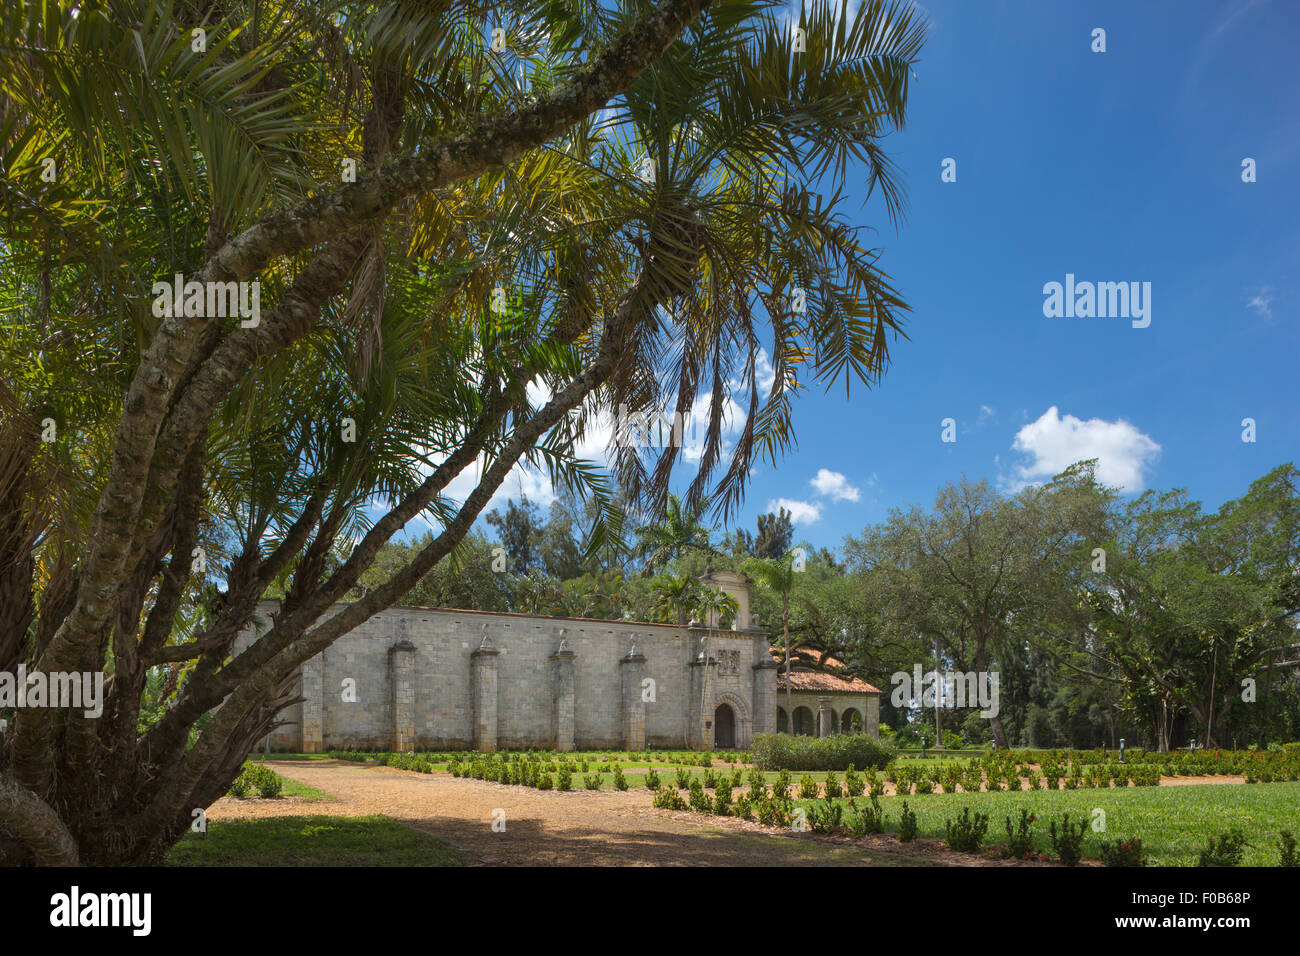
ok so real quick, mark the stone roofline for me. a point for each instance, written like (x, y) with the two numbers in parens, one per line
(750, 631)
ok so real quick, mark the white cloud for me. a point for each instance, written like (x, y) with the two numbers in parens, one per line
(801, 512)
(833, 485)
(764, 373)
(1262, 302)
(1054, 443)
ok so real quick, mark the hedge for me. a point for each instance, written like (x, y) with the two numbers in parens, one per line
(833, 752)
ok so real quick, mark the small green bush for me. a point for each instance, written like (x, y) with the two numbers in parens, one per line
(1287, 845)
(864, 820)
(699, 800)
(1224, 850)
(722, 798)
(1020, 841)
(907, 825)
(1068, 844)
(966, 833)
(667, 798)
(808, 788)
(825, 817)
(1123, 853)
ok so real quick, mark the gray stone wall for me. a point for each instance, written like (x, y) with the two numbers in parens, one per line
(444, 688)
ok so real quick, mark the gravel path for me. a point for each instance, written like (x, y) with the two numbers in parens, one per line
(548, 828)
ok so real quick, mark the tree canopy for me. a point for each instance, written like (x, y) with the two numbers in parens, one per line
(414, 244)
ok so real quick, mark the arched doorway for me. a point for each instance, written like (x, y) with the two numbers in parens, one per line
(851, 722)
(724, 727)
(803, 721)
(782, 722)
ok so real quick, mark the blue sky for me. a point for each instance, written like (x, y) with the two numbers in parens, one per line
(1122, 166)
(1115, 166)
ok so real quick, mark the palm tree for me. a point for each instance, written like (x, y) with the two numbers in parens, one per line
(778, 576)
(620, 290)
(678, 533)
(715, 604)
(676, 596)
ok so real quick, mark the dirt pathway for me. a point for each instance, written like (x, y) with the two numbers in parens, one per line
(548, 828)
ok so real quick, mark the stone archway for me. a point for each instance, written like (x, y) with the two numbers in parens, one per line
(803, 722)
(724, 728)
(851, 721)
(782, 721)
(744, 727)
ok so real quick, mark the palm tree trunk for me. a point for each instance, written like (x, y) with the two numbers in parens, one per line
(785, 626)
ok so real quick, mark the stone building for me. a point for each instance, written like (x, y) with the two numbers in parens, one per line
(823, 701)
(413, 678)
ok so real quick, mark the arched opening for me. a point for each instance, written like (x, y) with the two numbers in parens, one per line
(803, 722)
(724, 727)
(782, 721)
(834, 728)
(851, 722)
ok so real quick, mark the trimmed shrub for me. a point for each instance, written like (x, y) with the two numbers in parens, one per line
(832, 752)
(824, 817)
(907, 825)
(1287, 845)
(1123, 853)
(1020, 841)
(808, 788)
(1068, 844)
(668, 799)
(722, 798)
(1224, 850)
(864, 820)
(966, 833)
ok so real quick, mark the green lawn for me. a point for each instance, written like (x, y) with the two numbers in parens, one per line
(1174, 823)
(312, 841)
(292, 788)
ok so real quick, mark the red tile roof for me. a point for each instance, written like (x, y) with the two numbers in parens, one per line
(824, 678)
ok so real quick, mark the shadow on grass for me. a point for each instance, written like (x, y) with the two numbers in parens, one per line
(313, 841)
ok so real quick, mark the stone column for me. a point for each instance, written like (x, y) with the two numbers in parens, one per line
(313, 706)
(764, 717)
(562, 687)
(871, 722)
(401, 668)
(823, 716)
(698, 712)
(632, 672)
(483, 692)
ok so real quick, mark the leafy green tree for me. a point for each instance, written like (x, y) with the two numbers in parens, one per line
(463, 261)
(778, 576)
(677, 533)
(520, 532)
(979, 566)
(775, 532)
